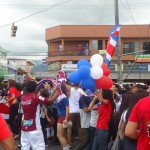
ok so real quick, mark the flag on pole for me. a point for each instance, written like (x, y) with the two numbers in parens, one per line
(61, 76)
(112, 43)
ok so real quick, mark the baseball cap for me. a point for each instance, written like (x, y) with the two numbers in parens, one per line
(88, 91)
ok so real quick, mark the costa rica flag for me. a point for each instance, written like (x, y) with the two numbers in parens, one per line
(112, 43)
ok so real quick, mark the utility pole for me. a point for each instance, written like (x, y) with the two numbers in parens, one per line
(119, 42)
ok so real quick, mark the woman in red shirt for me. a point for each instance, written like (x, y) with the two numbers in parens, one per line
(13, 93)
(105, 110)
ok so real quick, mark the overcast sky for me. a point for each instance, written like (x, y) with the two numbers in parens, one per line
(30, 35)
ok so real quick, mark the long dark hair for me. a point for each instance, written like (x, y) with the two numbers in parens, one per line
(63, 88)
(12, 83)
(44, 93)
(108, 94)
(137, 96)
(127, 98)
(18, 87)
(51, 84)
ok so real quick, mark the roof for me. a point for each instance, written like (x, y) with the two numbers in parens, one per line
(16, 59)
(30, 62)
(101, 31)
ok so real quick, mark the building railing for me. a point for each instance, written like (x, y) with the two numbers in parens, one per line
(72, 53)
(138, 67)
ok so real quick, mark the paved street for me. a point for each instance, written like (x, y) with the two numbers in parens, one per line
(50, 147)
(54, 147)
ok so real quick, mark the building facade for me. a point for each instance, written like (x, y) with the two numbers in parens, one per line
(3, 62)
(16, 65)
(69, 43)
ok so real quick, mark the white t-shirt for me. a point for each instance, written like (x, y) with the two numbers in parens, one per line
(75, 95)
(94, 117)
(85, 118)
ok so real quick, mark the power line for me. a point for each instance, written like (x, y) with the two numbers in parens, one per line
(135, 5)
(43, 10)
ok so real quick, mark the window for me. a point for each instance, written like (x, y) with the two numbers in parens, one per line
(146, 47)
(137, 46)
(97, 44)
(106, 41)
(128, 47)
(100, 44)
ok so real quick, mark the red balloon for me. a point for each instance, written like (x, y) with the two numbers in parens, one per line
(108, 84)
(100, 83)
(104, 83)
(106, 72)
(104, 66)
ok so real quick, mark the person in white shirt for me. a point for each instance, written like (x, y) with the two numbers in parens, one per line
(60, 49)
(74, 111)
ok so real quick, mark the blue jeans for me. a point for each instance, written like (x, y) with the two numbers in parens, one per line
(129, 144)
(100, 140)
(92, 133)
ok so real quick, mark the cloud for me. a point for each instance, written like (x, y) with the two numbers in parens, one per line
(30, 36)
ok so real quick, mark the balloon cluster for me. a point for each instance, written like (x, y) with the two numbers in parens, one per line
(92, 75)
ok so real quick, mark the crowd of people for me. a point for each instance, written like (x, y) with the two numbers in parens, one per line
(63, 113)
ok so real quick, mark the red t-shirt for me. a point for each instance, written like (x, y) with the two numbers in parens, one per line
(104, 115)
(141, 115)
(80, 47)
(4, 130)
(11, 91)
(31, 111)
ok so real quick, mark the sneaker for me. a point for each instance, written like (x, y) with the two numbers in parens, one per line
(70, 145)
(19, 146)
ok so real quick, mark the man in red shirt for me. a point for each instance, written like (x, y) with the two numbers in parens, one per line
(138, 126)
(6, 139)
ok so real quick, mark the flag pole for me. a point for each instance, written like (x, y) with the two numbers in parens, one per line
(119, 41)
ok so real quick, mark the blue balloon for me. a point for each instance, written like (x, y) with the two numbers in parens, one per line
(88, 83)
(84, 72)
(74, 77)
(82, 62)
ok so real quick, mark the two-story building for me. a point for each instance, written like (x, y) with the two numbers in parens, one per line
(21, 64)
(74, 38)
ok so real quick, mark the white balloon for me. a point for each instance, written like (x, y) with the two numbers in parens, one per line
(96, 72)
(96, 60)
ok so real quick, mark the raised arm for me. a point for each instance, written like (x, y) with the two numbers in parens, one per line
(98, 93)
(53, 97)
(92, 105)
